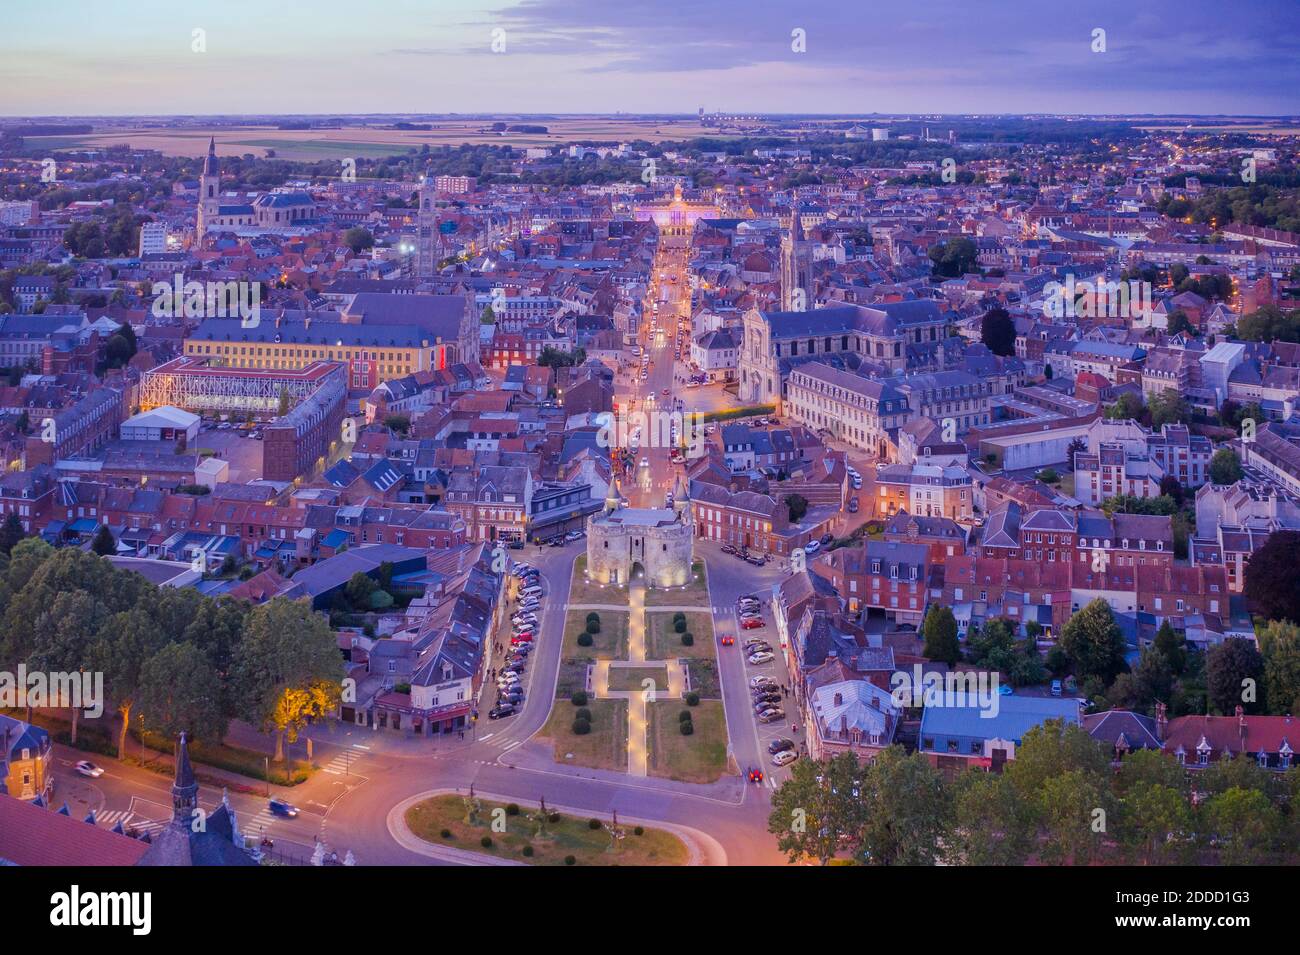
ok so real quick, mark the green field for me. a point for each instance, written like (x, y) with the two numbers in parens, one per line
(698, 758)
(633, 678)
(695, 594)
(605, 747)
(665, 643)
(609, 644)
(551, 842)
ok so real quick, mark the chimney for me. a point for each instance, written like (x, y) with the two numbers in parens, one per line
(1162, 721)
(839, 699)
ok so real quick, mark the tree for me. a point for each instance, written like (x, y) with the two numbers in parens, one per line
(798, 507)
(1127, 406)
(128, 640)
(1179, 322)
(1093, 642)
(359, 589)
(11, 532)
(818, 808)
(1225, 467)
(1279, 643)
(287, 669)
(906, 810)
(1155, 823)
(1243, 825)
(284, 404)
(954, 258)
(69, 623)
(1228, 667)
(1172, 646)
(1273, 577)
(940, 632)
(991, 824)
(104, 543)
(180, 691)
(1168, 407)
(358, 239)
(998, 331)
(1073, 809)
(398, 422)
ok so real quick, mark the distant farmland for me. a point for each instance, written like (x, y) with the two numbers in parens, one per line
(371, 141)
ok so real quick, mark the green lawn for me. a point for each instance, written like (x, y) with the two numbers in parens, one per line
(609, 644)
(551, 843)
(572, 677)
(583, 591)
(665, 643)
(605, 747)
(704, 678)
(698, 758)
(696, 594)
(633, 678)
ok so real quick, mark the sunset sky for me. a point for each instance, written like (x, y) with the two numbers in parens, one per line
(91, 57)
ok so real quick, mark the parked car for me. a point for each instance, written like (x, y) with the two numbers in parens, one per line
(761, 657)
(853, 505)
(760, 681)
(763, 701)
(728, 549)
(86, 768)
(827, 538)
(812, 547)
(753, 623)
(504, 709)
(756, 561)
(771, 716)
(784, 758)
(780, 745)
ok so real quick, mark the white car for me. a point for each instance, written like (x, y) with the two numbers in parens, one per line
(763, 657)
(785, 757)
(87, 768)
(812, 547)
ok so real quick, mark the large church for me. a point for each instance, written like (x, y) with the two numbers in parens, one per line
(276, 211)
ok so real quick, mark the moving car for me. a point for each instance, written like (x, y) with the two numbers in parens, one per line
(755, 775)
(503, 709)
(784, 758)
(86, 768)
(853, 505)
(727, 640)
(812, 547)
(279, 807)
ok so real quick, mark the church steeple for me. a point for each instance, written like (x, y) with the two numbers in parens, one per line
(185, 790)
(209, 187)
(612, 497)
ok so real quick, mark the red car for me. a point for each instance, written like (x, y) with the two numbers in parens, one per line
(753, 623)
(755, 775)
(728, 640)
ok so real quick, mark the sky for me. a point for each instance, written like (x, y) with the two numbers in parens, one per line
(139, 57)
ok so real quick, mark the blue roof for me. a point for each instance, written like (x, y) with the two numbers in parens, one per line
(84, 525)
(335, 538)
(1015, 716)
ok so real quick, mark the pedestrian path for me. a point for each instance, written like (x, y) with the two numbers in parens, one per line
(128, 819)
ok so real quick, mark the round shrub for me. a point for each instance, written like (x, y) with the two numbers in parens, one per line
(688, 639)
(570, 860)
(554, 818)
(446, 833)
(692, 699)
(593, 617)
(582, 713)
(584, 640)
(686, 728)
(639, 831)
(593, 626)
(684, 716)
(578, 698)
(581, 727)
(680, 625)
(593, 823)
(528, 850)
(678, 615)
(486, 842)
(512, 809)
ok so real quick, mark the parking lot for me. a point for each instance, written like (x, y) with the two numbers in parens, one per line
(234, 446)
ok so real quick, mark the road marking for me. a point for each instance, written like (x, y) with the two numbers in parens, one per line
(488, 737)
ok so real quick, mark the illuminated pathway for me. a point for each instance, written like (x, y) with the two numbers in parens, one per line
(638, 722)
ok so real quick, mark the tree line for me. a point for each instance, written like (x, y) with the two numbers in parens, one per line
(172, 658)
(1060, 801)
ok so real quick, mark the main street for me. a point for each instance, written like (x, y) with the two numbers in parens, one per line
(368, 772)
